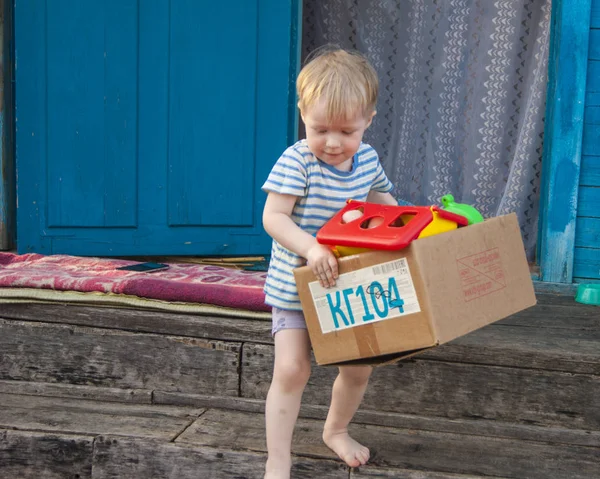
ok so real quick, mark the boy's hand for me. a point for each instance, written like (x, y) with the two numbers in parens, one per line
(323, 263)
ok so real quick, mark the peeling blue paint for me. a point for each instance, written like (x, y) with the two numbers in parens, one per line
(564, 198)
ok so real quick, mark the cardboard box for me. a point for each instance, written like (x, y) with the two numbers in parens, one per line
(388, 305)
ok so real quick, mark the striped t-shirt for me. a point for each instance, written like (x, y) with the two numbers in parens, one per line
(322, 191)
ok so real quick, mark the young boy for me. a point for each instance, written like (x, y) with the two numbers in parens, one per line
(311, 181)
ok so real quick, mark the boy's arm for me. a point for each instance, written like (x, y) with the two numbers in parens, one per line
(279, 225)
(381, 198)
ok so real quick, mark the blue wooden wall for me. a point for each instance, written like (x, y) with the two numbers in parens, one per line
(587, 239)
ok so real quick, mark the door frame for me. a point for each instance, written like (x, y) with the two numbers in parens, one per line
(7, 128)
(563, 134)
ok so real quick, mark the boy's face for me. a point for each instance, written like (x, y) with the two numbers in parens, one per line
(334, 142)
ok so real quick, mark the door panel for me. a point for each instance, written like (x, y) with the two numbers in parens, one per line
(148, 127)
(212, 92)
(92, 106)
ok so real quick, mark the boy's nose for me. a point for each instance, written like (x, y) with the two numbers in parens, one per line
(332, 142)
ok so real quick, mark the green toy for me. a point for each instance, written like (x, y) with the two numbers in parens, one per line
(473, 216)
(588, 294)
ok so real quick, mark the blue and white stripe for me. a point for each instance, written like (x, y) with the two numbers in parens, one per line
(322, 191)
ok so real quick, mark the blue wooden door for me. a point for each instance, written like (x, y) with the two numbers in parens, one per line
(148, 126)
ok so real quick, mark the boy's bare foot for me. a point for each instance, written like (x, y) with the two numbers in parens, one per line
(278, 469)
(351, 452)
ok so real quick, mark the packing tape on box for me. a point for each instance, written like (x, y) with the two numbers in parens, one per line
(366, 340)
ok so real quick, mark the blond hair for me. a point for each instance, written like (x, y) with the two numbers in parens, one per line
(344, 80)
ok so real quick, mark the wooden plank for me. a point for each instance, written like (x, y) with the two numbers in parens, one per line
(563, 137)
(554, 299)
(589, 199)
(592, 74)
(31, 455)
(551, 288)
(586, 280)
(567, 350)
(76, 416)
(471, 454)
(590, 140)
(475, 427)
(588, 233)
(592, 114)
(424, 450)
(208, 401)
(594, 53)
(587, 263)
(578, 280)
(581, 317)
(160, 322)
(118, 457)
(132, 396)
(592, 98)
(240, 430)
(406, 421)
(479, 426)
(111, 358)
(452, 390)
(406, 474)
(595, 21)
(590, 171)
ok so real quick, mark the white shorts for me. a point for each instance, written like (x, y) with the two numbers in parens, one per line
(287, 319)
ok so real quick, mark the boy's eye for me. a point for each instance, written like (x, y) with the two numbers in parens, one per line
(321, 131)
(347, 132)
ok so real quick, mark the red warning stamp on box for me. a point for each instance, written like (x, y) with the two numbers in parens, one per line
(481, 274)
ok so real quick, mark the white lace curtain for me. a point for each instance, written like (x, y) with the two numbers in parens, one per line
(462, 95)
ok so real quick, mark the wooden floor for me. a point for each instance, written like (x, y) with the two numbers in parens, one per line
(107, 393)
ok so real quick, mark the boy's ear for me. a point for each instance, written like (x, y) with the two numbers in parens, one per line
(370, 119)
(301, 112)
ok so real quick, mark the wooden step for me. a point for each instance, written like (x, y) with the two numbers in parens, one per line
(472, 426)
(57, 353)
(453, 390)
(539, 367)
(409, 448)
(57, 438)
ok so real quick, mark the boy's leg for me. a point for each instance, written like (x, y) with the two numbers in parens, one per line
(290, 375)
(348, 391)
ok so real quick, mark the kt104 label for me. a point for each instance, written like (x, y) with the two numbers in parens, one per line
(375, 293)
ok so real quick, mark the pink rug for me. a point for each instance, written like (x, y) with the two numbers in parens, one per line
(191, 283)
